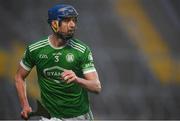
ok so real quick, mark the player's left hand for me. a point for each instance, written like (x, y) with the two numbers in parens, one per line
(69, 76)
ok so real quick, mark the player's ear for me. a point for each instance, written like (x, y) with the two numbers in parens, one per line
(55, 25)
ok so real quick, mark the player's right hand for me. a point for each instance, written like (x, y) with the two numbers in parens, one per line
(25, 112)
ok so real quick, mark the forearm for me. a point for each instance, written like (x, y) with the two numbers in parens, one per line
(90, 81)
(90, 85)
(21, 90)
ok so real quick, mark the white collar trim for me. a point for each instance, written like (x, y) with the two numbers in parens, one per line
(61, 47)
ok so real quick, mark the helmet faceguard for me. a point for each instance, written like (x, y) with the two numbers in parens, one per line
(59, 13)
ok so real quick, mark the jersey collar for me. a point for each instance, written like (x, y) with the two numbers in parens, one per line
(61, 47)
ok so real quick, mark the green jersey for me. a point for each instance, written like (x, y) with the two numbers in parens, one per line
(62, 100)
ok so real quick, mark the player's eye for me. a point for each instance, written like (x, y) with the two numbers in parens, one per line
(74, 19)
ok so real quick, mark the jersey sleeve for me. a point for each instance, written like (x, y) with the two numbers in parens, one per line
(87, 64)
(27, 60)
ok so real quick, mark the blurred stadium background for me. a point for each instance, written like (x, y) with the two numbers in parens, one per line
(136, 50)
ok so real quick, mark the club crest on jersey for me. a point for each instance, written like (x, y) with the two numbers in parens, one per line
(69, 57)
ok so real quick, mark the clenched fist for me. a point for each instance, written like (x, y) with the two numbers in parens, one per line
(25, 111)
(69, 76)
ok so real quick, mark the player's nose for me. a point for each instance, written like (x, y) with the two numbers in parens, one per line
(72, 24)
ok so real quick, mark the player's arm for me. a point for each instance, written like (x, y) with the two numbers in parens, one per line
(20, 76)
(90, 81)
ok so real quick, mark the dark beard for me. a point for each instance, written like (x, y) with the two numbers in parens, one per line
(65, 37)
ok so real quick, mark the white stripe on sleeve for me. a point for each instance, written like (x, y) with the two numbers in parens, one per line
(24, 66)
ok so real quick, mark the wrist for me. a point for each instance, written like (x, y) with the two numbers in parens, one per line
(25, 106)
(78, 80)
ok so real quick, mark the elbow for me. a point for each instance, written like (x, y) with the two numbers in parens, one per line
(98, 88)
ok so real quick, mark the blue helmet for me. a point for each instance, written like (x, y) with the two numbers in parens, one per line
(58, 12)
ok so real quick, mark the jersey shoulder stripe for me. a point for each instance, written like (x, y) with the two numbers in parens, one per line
(77, 45)
(34, 42)
(74, 45)
(76, 48)
(39, 44)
